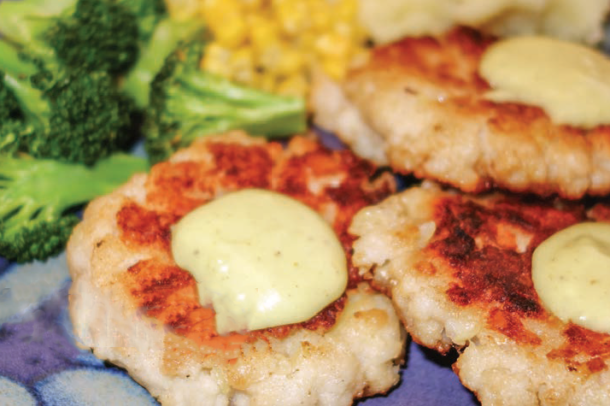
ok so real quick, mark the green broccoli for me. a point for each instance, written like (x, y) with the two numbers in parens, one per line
(9, 106)
(187, 102)
(163, 39)
(64, 114)
(39, 199)
(148, 14)
(100, 35)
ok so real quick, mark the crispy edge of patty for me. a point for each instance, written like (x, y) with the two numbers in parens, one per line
(357, 356)
(418, 104)
(454, 266)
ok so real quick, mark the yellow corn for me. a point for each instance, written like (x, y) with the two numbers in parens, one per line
(319, 16)
(292, 16)
(334, 67)
(225, 20)
(217, 59)
(241, 64)
(290, 61)
(295, 85)
(263, 32)
(275, 44)
(183, 9)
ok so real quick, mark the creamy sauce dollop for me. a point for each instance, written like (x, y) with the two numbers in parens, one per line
(261, 259)
(570, 82)
(571, 273)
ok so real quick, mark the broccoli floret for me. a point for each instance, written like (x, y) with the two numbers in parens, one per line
(83, 34)
(187, 102)
(148, 14)
(99, 35)
(39, 199)
(66, 114)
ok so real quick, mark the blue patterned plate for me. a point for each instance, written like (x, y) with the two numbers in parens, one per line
(41, 365)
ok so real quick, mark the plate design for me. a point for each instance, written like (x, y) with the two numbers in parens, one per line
(40, 363)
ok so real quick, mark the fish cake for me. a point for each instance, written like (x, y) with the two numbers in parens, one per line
(133, 306)
(458, 269)
(418, 105)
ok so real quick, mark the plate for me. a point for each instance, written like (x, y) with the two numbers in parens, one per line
(40, 363)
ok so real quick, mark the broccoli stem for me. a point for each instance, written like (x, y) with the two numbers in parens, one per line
(34, 190)
(17, 79)
(38, 199)
(166, 36)
(26, 22)
(211, 103)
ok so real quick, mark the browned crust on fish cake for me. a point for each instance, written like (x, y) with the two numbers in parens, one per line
(423, 100)
(458, 268)
(176, 188)
(475, 241)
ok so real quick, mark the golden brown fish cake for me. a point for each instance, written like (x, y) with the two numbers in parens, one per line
(133, 306)
(458, 268)
(418, 105)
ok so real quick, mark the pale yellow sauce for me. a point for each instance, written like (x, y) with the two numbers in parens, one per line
(570, 82)
(261, 259)
(571, 273)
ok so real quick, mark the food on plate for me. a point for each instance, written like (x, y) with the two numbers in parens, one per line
(459, 270)
(187, 102)
(421, 106)
(39, 197)
(390, 20)
(274, 45)
(56, 112)
(136, 308)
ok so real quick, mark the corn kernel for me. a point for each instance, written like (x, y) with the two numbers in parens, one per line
(334, 67)
(269, 57)
(344, 30)
(293, 86)
(263, 32)
(242, 57)
(242, 65)
(320, 17)
(216, 59)
(226, 21)
(292, 16)
(333, 44)
(290, 62)
(231, 33)
(268, 82)
(346, 10)
(253, 5)
(213, 10)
